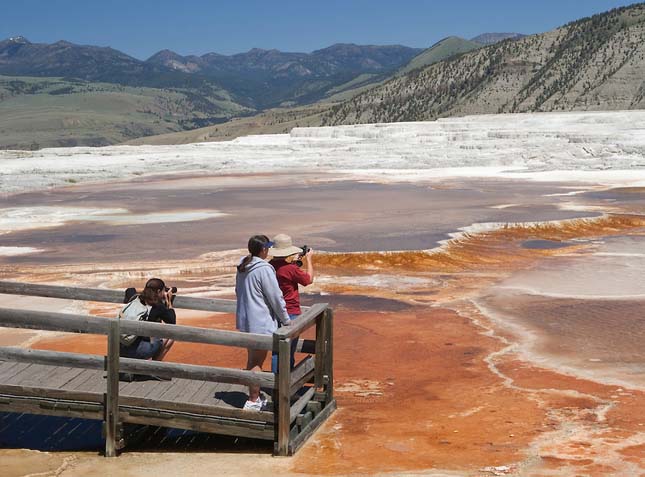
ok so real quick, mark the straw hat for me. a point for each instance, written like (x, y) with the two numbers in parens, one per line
(283, 246)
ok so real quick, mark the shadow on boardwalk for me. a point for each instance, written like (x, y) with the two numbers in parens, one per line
(51, 434)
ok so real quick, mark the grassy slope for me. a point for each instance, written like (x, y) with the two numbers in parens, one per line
(273, 121)
(442, 50)
(47, 112)
(596, 63)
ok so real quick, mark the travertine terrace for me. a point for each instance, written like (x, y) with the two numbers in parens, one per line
(484, 272)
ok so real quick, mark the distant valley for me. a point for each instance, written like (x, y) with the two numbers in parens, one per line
(63, 94)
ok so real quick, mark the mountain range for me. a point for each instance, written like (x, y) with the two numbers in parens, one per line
(596, 63)
(63, 83)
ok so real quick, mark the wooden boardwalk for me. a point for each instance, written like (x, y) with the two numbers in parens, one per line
(199, 398)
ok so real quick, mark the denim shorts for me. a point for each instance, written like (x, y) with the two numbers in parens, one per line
(143, 349)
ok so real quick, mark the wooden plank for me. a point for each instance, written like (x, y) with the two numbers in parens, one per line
(301, 403)
(86, 381)
(47, 408)
(304, 321)
(212, 399)
(302, 368)
(144, 388)
(200, 424)
(283, 401)
(161, 387)
(48, 376)
(208, 410)
(128, 388)
(64, 397)
(15, 370)
(206, 392)
(51, 358)
(34, 375)
(39, 392)
(302, 374)
(314, 406)
(62, 376)
(76, 380)
(7, 366)
(197, 372)
(109, 296)
(189, 390)
(138, 366)
(303, 420)
(176, 389)
(97, 325)
(308, 430)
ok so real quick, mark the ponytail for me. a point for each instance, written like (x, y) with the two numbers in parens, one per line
(242, 266)
(256, 244)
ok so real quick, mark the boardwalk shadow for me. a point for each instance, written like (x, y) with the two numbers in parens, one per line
(61, 434)
(232, 398)
(49, 433)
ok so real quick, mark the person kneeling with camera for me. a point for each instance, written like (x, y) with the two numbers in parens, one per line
(289, 262)
(154, 304)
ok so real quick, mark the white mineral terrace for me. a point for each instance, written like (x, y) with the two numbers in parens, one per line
(606, 147)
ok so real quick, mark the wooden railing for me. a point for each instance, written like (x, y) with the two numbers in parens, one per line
(286, 383)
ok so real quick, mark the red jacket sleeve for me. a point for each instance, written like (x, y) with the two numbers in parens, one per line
(301, 277)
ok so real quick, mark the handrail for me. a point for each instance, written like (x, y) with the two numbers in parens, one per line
(110, 296)
(96, 325)
(316, 372)
(304, 321)
(139, 366)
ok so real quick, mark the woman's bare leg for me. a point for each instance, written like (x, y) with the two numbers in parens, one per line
(254, 362)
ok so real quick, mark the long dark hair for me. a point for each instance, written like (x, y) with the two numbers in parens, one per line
(150, 294)
(256, 244)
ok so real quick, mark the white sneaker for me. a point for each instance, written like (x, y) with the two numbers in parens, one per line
(256, 405)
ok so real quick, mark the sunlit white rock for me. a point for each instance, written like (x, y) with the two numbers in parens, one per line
(585, 144)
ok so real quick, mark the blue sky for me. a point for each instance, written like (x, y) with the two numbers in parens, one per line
(143, 27)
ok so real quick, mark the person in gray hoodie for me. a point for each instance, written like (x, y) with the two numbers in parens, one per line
(260, 306)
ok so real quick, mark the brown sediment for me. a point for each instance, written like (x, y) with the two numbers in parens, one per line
(416, 391)
(490, 249)
(397, 375)
(597, 427)
(566, 330)
(437, 388)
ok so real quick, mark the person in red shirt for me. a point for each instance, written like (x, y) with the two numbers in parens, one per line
(290, 277)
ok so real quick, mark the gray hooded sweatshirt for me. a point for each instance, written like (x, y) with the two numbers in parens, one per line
(260, 304)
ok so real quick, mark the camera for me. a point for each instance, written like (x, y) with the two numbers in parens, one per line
(305, 251)
(174, 293)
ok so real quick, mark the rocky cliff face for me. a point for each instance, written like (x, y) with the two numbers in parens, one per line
(596, 63)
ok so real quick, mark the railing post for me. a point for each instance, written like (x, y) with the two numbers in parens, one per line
(329, 353)
(321, 351)
(111, 397)
(282, 402)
